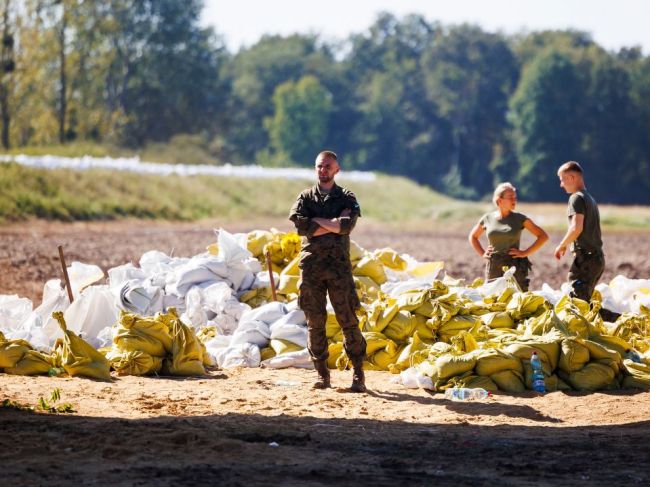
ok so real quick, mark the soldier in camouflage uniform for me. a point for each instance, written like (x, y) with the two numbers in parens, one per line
(326, 214)
(583, 234)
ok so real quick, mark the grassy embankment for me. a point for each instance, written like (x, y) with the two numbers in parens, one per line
(105, 195)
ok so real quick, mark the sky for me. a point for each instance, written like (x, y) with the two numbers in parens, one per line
(612, 23)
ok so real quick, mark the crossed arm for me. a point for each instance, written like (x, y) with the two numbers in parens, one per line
(332, 225)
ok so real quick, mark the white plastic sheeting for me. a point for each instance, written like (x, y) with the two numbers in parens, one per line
(133, 164)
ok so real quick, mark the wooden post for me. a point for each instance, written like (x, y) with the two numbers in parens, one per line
(65, 274)
(268, 264)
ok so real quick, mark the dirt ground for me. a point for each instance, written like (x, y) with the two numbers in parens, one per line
(266, 427)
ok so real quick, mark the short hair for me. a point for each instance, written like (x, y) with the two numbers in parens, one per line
(328, 154)
(570, 166)
(500, 189)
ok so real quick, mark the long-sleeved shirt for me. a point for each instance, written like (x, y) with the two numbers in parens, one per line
(314, 203)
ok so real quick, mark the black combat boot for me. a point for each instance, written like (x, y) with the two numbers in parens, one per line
(358, 377)
(323, 381)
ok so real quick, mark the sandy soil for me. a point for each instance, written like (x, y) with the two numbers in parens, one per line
(222, 429)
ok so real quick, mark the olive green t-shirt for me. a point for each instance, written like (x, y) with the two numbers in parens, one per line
(503, 233)
(589, 239)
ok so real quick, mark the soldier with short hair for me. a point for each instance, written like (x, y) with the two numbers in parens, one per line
(583, 234)
(326, 214)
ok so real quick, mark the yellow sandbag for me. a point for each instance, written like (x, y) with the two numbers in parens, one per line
(135, 363)
(382, 359)
(290, 245)
(412, 354)
(375, 342)
(11, 351)
(78, 357)
(401, 327)
(545, 323)
(509, 380)
(423, 269)
(424, 329)
(256, 240)
(138, 334)
(256, 297)
(284, 346)
(187, 354)
(592, 377)
(390, 259)
(412, 300)
(380, 315)
(455, 325)
(612, 342)
(332, 326)
(335, 350)
(639, 375)
(599, 351)
(371, 267)
(450, 365)
(476, 381)
(266, 353)
(549, 353)
(574, 355)
(570, 314)
(288, 284)
(498, 319)
(32, 362)
(464, 342)
(493, 360)
(356, 253)
(368, 287)
(442, 308)
(524, 305)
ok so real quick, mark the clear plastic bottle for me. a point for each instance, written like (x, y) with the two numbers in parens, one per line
(633, 356)
(538, 373)
(466, 394)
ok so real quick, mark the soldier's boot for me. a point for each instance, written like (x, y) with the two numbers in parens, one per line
(323, 381)
(358, 377)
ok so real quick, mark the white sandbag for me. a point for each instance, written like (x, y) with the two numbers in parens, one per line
(551, 295)
(500, 284)
(194, 313)
(139, 297)
(231, 251)
(268, 313)
(300, 359)
(252, 331)
(117, 276)
(413, 379)
(198, 270)
(14, 310)
(225, 324)
(291, 327)
(154, 262)
(244, 355)
(234, 308)
(216, 295)
(83, 275)
(240, 276)
(92, 312)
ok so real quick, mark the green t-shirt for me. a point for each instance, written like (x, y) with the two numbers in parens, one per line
(503, 233)
(589, 239)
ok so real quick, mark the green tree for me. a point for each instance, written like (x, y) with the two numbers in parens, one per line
(469, 75)
(547, 113)
(298, 127)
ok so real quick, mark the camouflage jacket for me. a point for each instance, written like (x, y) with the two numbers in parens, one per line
(313, 203)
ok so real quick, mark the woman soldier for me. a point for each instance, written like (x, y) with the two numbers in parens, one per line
(503, 229)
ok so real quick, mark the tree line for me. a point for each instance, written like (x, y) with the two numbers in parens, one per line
(453, 107)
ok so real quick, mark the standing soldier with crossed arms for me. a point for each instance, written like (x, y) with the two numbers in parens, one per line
(326, 214)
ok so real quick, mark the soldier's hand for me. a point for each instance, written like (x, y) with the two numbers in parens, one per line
(488, 252)
(560, 250)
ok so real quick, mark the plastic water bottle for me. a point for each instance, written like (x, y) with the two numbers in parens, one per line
(633, 356)
(466, 394)
(538, 373)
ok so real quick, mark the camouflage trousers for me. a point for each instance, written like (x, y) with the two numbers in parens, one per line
(316, 283)
(585, 271)
(497, 261)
